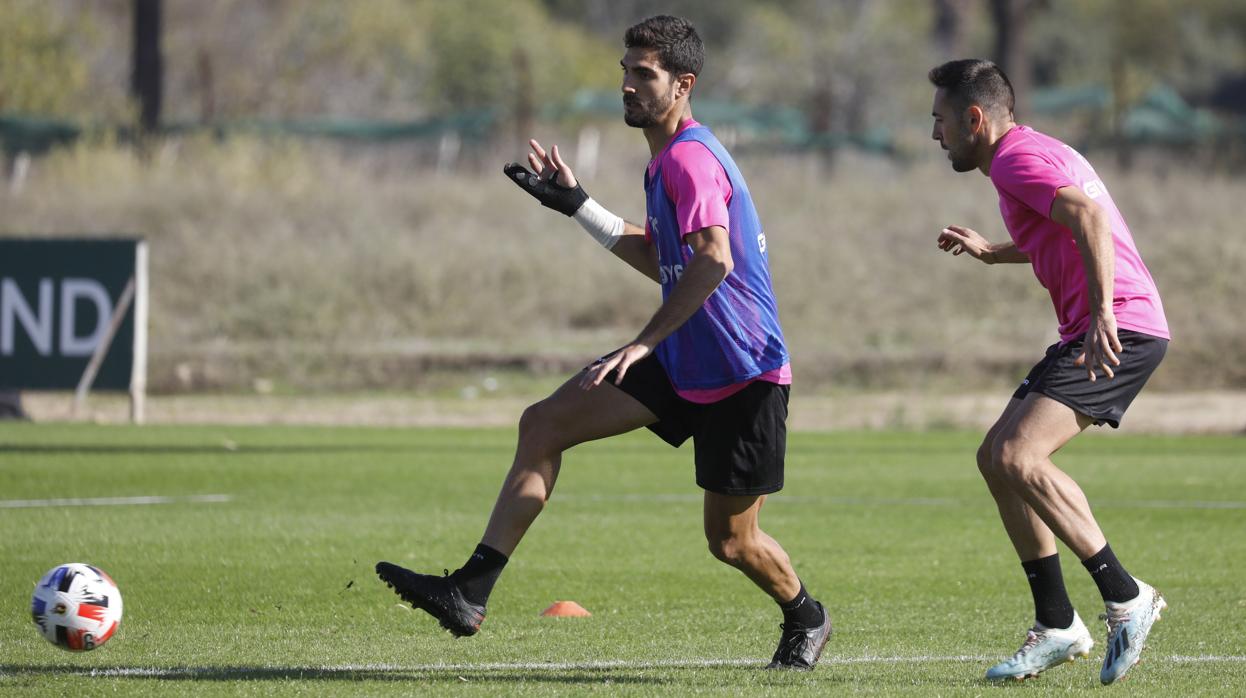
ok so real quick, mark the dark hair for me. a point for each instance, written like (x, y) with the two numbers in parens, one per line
(678, 45)
(975, 81)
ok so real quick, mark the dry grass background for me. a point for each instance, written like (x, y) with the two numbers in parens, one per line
(312, 266)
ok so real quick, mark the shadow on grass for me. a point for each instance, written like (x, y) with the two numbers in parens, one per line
(344, 674)
(667, 679)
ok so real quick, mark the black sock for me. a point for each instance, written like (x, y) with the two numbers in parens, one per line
(1052, 607)
(1113, 581)
(477, 576)
(802, 611)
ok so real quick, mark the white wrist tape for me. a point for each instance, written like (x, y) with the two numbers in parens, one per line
(603, 226)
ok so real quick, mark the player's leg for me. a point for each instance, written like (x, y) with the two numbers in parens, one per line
(570, 416)
(741, 444)
(1030, 537)
(1041, 427)
(1021, 458)
(1058, 634)
(735, 537)
(1132, 606)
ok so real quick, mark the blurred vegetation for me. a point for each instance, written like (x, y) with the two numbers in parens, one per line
(40, 70)
(355, 263)
(847, 65)
(311, 266)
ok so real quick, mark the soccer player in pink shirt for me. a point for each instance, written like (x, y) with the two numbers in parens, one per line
(1061, 221)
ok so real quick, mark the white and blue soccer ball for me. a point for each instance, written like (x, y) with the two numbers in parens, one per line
(76, 606)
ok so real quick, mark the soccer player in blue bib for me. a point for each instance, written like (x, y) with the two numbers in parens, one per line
(711, 364)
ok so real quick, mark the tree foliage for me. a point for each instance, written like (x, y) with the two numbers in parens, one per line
(40, 70)
(477, 58)
(846, 64)
(1138, 43)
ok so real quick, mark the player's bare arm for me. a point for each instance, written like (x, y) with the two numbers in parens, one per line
(552, 182)
(637, 252)
(1093, 234)
(960, 240)
(710, 264)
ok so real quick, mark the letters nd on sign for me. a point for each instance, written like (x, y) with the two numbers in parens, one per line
(59, 301)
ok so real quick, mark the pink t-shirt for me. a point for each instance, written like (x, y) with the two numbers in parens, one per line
(1027, 171)
(696, 182)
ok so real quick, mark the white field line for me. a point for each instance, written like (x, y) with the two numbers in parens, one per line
(897, 501)
(601, 665)
(113, 501)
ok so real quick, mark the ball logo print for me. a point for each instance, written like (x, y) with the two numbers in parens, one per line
(76, 607)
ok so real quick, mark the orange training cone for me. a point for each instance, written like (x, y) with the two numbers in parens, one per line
(566, 609)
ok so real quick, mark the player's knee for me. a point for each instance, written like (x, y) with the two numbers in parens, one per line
(726, 547)
(985, 458)
(724, 550)
(530, 420)
(986, 461)
(1016, 463)
(538, 427)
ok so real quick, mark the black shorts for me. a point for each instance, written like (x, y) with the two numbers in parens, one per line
(1106, 399)
(739, 441)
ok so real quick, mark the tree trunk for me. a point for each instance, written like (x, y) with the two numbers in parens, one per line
(1011, 48)
(1120, 106)
(822, 119)
(148, 76)
(525, 113)
(950, 28)
(207, 87)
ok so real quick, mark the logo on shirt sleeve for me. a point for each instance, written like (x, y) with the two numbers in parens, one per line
(761, 242)
(1094, 188)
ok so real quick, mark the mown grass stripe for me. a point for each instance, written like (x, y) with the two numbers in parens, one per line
(114, 501)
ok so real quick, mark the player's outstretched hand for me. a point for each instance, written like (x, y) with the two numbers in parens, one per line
(550, 180)
(1101, 347)
(958, 240)
(621, 360)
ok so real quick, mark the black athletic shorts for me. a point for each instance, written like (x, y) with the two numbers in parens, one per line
(1106, 399)
(739, 441)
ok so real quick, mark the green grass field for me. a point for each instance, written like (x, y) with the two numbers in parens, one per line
(272, 590)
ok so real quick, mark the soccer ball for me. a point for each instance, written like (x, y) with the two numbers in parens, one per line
(77, 607)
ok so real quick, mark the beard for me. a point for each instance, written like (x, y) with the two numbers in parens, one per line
(962, 157)
(963, 164)
(640, 114)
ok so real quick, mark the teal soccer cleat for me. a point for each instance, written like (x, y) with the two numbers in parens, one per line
(1129, 624)
(1044, 648)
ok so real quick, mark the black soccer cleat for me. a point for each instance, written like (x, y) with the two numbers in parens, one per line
(800, 648)
(439, 596)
